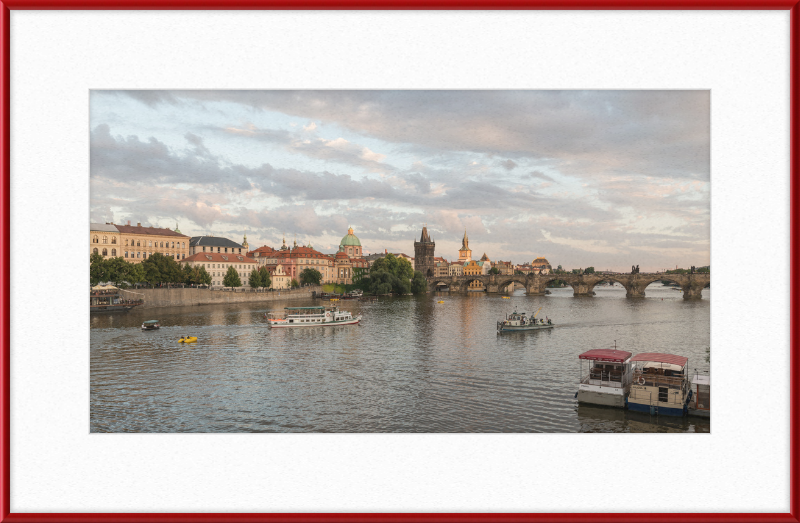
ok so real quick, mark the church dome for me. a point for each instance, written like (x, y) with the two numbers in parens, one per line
(350, 240)
(541, 260)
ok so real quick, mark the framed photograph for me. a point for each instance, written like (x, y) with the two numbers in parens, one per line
(399, 262)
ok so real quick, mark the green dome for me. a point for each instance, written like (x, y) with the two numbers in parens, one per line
(351, 240)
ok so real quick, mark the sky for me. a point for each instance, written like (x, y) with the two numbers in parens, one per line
(606, 179)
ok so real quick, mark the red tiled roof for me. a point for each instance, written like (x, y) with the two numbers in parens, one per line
(661, 357)
(155, 231)
(605, 355)
(341, 254)
(218, 257)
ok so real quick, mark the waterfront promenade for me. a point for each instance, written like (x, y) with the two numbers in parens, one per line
(179, 297)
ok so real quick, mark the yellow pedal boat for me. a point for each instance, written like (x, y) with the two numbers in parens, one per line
(190, 339)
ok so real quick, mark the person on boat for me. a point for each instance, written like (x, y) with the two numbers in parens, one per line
(182, 338)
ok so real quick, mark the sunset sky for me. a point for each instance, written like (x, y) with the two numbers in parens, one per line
(585, 178)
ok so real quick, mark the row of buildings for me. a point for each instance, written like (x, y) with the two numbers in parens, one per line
(216, 254)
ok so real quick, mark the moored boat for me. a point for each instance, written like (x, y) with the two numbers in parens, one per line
(311, 317)
(608, 379)
(106, 298)
(520, 321)
(150, 325)
(660, 384)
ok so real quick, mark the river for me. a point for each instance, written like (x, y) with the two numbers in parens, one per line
(415, 365)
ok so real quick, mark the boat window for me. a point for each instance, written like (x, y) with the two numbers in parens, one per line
(663, 394)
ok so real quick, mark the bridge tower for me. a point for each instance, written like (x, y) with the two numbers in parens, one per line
(423, 254)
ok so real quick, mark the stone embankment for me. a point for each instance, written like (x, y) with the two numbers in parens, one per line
(154, 298)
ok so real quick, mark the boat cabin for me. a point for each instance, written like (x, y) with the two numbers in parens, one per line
(606, 379)
(309, 315)
(701, 387)
(660, 384)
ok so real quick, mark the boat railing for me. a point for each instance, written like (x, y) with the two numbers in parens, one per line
(607, 378)
(651, 397)
(659, 380)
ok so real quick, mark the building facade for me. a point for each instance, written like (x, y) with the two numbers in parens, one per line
(139, 243)
(424, 254)
(541, 265)
(105, 240)
(217, 265)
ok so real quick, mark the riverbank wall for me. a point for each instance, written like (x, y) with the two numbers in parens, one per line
(155, 298)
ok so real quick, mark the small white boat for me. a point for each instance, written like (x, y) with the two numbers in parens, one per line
(608, 380)
(520, 321)
(311, 317)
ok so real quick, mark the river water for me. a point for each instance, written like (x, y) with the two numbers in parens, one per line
(415, 365)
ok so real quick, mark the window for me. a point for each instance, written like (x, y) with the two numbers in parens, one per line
(114, 253)
(126, 254)
(105, 252)
(105, 239)
(114, 240)
(151, 243)
(183, 256)
(138, 254)
(126, 243)
(663, 394)
(204, 248)
(138, 244)
(162, 245)
(144, 255)
(226, 249)
(183, 245)
(94, 251)
(95, 240)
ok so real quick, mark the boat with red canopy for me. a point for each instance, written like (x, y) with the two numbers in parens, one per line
(608, 379)
(660, 384)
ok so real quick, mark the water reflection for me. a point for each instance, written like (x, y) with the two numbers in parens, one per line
(415, 365)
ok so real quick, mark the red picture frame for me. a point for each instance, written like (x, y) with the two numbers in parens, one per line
(5, 328)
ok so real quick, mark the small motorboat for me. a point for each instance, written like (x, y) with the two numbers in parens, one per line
(150, 325)
(440, 301)
(506, 297)
(188, 339)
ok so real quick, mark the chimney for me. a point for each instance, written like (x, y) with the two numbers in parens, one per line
(129, 222)
(386, 251)
(139, 224)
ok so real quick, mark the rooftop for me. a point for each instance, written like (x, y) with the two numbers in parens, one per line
(103, 227)
(213, 241)
(661, 357)
(154, 231)
(218, 258)
(612, 355)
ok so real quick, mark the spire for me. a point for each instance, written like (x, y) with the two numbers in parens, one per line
(176, 228)
(425, 238)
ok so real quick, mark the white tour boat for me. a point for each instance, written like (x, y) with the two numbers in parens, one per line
(520, 321)
(660, 384)
(311, 317)
(609, 378)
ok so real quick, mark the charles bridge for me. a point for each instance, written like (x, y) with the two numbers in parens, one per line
(582, 284)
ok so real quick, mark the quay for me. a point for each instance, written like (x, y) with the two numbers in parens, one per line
(189, 296)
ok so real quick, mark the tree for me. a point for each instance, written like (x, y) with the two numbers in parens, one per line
(266, 278)
(97, 269)
(588, 270)
(310, 276)
(231, 278)
(519, 272)
(162, 269)
(294, 284)
(203, 277)
(399, 267)
(494, 270)
(255, 279)
(419, 285)
(559, 269)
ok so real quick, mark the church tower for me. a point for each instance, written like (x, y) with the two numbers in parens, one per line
(423, 254)
(464, 253)
(245, 245)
